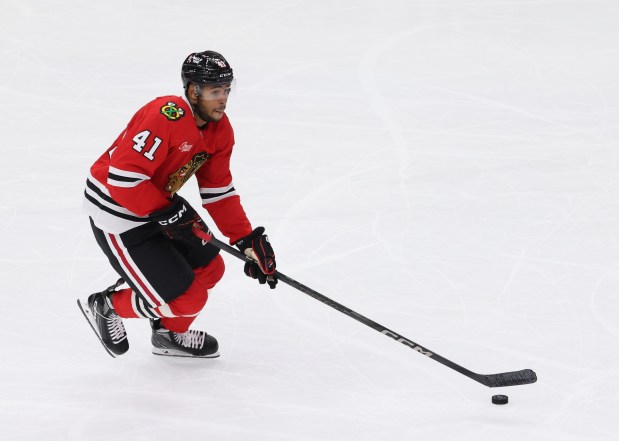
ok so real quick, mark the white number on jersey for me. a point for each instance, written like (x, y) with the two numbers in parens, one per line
(140, 142)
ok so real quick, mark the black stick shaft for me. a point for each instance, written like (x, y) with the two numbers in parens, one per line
(525, 376)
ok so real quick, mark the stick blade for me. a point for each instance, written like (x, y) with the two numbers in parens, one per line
(516, 378)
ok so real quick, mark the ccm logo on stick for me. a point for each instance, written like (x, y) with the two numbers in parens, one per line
(415, 346)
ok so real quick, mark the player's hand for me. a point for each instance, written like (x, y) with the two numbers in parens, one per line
(256, 246)
(178, 221)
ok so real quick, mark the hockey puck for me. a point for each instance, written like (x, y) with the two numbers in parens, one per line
(499, 399)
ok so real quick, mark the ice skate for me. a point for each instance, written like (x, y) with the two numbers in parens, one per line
(104, 321)
(192, 343)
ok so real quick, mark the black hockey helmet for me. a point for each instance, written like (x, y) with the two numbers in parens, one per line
(208, 67)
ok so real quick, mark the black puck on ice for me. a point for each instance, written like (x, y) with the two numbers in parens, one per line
(499, 399)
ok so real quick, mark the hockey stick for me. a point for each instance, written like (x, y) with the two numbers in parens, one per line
(525, 376)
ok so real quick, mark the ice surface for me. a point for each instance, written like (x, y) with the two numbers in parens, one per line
(447, 168)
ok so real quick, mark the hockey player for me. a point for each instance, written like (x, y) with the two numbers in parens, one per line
(146, 229)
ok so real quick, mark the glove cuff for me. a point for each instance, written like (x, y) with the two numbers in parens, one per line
(176, 204)
(244, 243)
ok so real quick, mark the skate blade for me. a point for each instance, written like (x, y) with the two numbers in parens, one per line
(88, 316)
(172, 353)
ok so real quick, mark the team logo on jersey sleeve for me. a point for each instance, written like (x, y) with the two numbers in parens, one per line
(180, 176)
(172, 111)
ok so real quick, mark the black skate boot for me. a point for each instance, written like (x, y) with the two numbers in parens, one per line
(189, 344)
(102, 318)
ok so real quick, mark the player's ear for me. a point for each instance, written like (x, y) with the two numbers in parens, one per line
(193, 92)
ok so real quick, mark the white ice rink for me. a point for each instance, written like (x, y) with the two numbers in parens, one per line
(447, 168)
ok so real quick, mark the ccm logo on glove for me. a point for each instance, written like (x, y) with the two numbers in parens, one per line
(178, 221)
(175, 217)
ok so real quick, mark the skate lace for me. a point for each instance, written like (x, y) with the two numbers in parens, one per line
(190, 339)
(115, 327)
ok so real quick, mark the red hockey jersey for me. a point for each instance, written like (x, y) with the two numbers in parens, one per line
(160, 149)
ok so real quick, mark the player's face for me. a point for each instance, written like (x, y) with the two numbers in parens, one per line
(212, 101)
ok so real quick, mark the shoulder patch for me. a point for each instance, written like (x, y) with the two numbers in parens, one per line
(172, 111)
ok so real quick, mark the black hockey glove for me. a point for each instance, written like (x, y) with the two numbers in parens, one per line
(178, 220)
(256, 246)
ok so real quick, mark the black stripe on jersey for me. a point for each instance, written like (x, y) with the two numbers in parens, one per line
(102, 195)
(114, 212)
(116, 177)
(207, 196)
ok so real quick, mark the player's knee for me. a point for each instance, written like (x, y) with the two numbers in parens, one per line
(212, 273)
(193, 300)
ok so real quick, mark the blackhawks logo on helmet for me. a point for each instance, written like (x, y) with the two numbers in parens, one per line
(171, 111)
